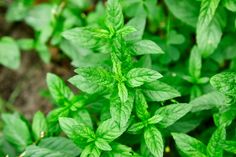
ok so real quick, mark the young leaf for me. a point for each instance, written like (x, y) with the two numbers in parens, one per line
(91, 151)
(9, 53)
(214, 147)
(58, 89)
(92, 80)
(16, 131)
(153, 140)
(154, 119)
(172, 113)
(141, 106)
(195, 63)
(103, 145)
(138, 76)
(39, 125)
(189, 146)
(159, 91)
(143, 47)
(114, 15)
(136, 127)
(68, 126)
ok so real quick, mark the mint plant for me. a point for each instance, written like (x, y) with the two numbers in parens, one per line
(151, 79)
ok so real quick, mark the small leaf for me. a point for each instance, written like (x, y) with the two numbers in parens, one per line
(91, 151)
(9, 53)
(154, 119)
(114, 15)
(141, 106)
(172, 113)
(59, 91)
(39, 125)
(103, 145)
(153, 140)
(136, 127)
(195, 63)
(145, 47)
(138, 76)
(189, 146)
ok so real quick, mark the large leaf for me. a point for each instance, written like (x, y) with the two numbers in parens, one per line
(189, 145)
(153, 140)
(172, 113)
(92, 80)
(214, 147)
(16, 131)
(225, 83)
(178, 9)
(53, 147)
(121, 111)
(209, 27)
(159, 91)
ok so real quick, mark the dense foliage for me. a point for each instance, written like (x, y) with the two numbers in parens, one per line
(154, 78)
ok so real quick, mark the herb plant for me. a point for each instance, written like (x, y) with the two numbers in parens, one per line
(141, 92)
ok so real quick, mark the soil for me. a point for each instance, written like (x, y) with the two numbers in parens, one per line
(22, 87)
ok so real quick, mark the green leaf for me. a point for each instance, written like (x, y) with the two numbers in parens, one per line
(195, 63)
(9, 53)
(26, 44)
(82, 36)
(120, 150)
(159, 91)
(230, 5)
(53, 146)
(214, 147)
(207, 101)
(68, 126)
(138, 22)
(141, 106)
(91, 151)
(154, 119)
(18, 10)
(229, 146)
(225, 83)
(59, 91)
(43, 52)
(16, 131)
(178, 9)
(92, 80)
(143, 47)
(189, 145)
(138, 76)
(172, 113)
(153, 140)
(42, 12)
(122, 92)
(209, 27)
(109, 130)
(136, 127)
(103, 145)
(39, 125)
(114, 15)
(121, 111)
